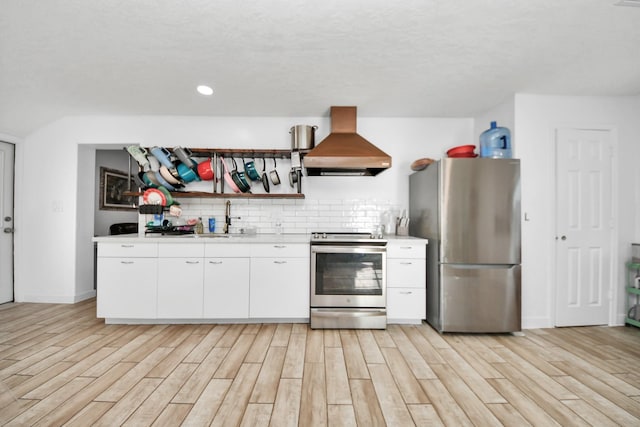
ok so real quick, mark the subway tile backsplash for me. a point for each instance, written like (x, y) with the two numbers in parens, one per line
(291, 216)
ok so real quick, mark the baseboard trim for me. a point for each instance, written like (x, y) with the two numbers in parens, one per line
(536, 323)
(58, 299)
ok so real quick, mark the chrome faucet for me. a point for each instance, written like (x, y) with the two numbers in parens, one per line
(228, 217)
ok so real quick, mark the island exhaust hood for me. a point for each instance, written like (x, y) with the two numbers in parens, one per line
(343, 152)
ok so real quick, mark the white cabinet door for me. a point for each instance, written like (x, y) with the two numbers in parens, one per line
(127, 288)
(226, 288)
(279, 288)
(180, 288)
(408, 304)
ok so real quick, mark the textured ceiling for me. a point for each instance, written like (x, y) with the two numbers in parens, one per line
(406, 58)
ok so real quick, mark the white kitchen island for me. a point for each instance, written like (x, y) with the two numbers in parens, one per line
(234, 279)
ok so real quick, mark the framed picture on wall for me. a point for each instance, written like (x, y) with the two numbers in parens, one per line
(113, 184)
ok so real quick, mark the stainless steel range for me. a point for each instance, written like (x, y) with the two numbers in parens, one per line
(348, 281)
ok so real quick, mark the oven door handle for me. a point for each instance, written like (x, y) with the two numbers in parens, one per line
(348, 249)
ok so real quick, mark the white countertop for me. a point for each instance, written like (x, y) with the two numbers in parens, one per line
(206, 238)
(221, 238)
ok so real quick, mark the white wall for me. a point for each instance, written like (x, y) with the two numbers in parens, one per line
(54, 218)
(536, 118)
(54, 210)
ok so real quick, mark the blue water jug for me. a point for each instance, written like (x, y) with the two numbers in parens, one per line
(495, 142)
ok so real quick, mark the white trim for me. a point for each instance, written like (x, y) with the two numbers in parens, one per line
(9, 138)
(58, 299)
(48, 299)
(537, 323)
(125, 321)
(85, 295)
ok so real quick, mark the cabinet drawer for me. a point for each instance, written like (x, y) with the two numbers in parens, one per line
(406, 250)
(181, 250)
(277, 250)
(407, 272)
(406, 304)
(229, 250)
(140, 250)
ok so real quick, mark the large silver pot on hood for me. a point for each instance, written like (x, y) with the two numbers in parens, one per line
(303, 137)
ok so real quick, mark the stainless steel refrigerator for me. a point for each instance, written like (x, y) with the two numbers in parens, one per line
(469, 209)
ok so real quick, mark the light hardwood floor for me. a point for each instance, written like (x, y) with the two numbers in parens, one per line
(59, 365)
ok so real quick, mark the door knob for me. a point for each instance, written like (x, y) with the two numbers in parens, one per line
(563, 238)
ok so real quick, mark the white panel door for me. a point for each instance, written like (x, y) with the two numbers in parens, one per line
(6, 222)
(584, 222)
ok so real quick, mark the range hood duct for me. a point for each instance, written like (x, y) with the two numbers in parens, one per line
(343, 152)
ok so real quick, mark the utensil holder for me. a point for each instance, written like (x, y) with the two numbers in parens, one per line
(402, 230)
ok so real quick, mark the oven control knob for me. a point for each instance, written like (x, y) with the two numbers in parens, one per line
(315, 235)
(324, 235)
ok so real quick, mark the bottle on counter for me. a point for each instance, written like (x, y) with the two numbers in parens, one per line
(212, 225)
(198, 227)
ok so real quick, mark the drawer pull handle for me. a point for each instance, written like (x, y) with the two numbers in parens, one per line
(126, 246)
(279, 246)
(215, 262)
(406, 247)
(406, 263)
(192, 262)
(279, 262)
(406, 293)
(126, 262)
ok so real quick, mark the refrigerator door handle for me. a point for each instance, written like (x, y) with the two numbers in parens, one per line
(480, 266)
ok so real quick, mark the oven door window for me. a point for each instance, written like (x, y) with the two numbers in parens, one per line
(349, 274)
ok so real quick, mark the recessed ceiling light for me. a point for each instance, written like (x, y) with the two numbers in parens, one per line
(205, 90)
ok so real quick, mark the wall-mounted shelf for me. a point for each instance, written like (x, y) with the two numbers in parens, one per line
(244, 152)
(206, 194)
(218, 185)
